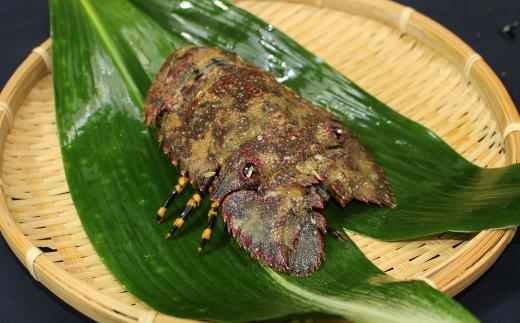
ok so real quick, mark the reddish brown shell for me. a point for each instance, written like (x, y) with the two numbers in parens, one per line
(270, 150)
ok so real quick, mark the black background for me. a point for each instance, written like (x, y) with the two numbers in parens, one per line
(495, 297)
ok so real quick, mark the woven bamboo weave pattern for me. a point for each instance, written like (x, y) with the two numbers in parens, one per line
(408, 75)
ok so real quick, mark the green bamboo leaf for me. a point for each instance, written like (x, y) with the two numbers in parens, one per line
(103, 64)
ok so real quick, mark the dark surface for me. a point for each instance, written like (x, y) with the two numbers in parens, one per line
(495, 297)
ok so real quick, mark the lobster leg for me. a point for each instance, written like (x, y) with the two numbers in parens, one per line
(176, 191)
(212, 218)
(193, 203)
(337, 234)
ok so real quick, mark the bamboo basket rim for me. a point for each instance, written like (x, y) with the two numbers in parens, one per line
(453, 275)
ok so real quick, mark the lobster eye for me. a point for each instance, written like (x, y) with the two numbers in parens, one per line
(338, 131)
(249, 170)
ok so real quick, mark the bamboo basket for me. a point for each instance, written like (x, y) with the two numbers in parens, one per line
(402, 57)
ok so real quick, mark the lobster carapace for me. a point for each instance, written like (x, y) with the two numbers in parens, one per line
(266, 156)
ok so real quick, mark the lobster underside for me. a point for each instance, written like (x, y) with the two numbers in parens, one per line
(267, 157)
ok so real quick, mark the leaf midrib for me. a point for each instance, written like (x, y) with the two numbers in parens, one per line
(114, 53)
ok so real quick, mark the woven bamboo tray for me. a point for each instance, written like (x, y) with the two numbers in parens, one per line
(402, 57)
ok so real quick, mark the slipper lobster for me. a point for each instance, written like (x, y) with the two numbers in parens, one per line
(266, 156)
